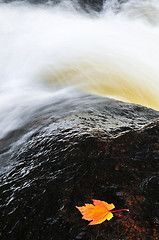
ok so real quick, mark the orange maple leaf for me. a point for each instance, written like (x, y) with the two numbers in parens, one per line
(97, 212)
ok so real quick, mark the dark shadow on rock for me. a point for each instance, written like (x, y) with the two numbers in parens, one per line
(82, 148)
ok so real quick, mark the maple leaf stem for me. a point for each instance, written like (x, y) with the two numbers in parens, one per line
(120, 210)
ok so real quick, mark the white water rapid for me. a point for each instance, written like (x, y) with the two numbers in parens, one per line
(52, 50)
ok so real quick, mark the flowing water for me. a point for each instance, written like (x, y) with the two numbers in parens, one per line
(48, 51)
(60, 145)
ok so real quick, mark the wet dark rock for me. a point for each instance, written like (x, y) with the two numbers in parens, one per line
(96, 5)
(71, 151)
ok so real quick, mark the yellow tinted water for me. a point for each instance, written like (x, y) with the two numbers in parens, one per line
(97, 78)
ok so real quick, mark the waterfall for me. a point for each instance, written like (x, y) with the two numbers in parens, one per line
(47, 51)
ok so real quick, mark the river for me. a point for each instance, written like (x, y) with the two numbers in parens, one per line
(48, 51)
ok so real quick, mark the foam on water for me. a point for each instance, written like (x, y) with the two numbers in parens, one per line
(45, 50)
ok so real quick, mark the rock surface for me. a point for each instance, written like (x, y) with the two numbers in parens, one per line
(74, 150)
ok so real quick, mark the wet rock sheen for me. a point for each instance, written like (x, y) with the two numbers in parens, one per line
(82, 148)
